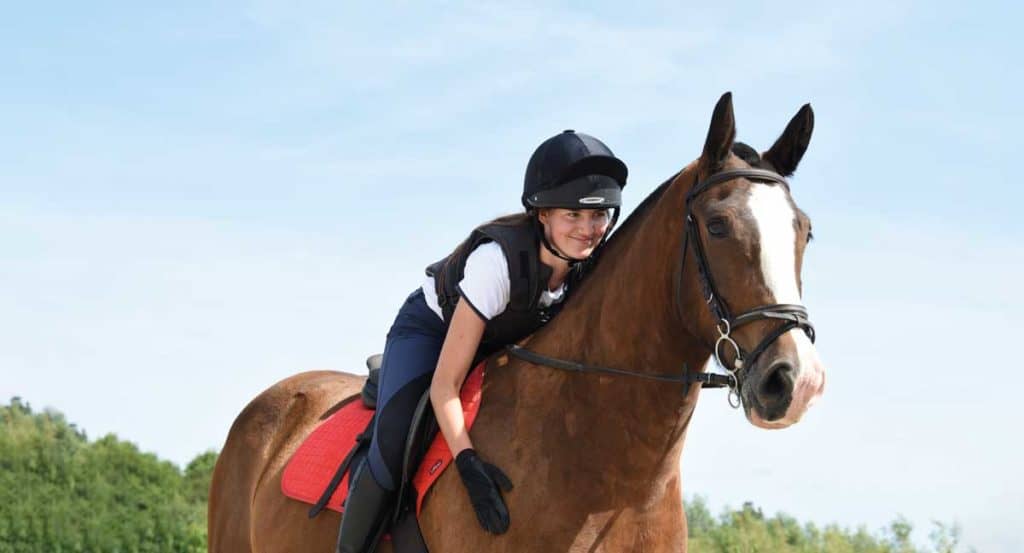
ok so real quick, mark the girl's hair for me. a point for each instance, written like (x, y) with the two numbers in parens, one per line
(511, 220)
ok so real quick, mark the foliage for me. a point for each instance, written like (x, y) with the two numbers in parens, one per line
(747, 530)
(60, 492)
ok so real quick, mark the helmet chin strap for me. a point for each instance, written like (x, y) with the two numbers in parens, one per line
(538, 227)
(572, 260)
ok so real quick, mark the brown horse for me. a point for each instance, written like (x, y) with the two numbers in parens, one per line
(595, 458)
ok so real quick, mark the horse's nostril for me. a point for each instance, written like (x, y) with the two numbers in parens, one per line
(777, 385)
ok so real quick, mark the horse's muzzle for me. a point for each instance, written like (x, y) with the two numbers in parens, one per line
(779, 395)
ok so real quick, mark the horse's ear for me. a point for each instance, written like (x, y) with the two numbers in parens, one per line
(720, 135)
(785, 154)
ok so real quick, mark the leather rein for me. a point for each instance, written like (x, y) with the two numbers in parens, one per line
(792, 316)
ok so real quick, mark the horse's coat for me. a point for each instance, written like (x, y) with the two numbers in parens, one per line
(594, 459)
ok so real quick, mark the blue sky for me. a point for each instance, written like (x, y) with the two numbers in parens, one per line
(198, 200)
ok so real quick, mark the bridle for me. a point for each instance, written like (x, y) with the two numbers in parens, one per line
(793, 316)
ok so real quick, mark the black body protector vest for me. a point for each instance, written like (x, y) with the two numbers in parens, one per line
(529, 278)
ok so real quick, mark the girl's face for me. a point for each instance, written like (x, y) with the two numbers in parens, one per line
(575, 232)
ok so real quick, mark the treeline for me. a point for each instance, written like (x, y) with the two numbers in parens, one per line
(61, 493)
(749, 530)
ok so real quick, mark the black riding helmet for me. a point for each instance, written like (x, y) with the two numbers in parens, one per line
(573, 170)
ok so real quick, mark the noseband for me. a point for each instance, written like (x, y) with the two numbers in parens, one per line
(793, 316)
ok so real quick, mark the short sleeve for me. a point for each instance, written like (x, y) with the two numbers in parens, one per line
(485, 284)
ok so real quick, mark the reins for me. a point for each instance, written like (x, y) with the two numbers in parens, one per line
(708, 380)
(793, 316)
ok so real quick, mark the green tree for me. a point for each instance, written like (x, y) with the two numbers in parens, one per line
(61, 493)
(749, 530)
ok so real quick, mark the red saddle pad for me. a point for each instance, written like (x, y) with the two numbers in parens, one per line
(314, 463)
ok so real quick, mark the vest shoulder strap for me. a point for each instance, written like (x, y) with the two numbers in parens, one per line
(525, 271)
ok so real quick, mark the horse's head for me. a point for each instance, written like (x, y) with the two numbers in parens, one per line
(746, 240)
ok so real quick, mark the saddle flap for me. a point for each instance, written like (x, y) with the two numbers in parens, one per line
(422, 430)
(314, 464)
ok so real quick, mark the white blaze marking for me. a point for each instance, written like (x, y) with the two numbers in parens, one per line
(774, 216)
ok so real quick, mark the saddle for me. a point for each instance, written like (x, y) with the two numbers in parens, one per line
(317, 473)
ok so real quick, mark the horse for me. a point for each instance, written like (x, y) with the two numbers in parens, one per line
(594, 455)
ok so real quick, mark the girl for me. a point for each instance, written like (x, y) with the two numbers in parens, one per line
(500, 285)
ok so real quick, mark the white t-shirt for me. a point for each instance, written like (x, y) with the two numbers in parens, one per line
(486, 285)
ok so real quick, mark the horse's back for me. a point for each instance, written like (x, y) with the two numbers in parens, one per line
(245, 492)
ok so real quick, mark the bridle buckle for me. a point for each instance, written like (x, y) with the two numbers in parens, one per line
(723, 336)
(724, 331)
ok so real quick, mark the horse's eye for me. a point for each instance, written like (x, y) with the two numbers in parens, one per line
(717, 227)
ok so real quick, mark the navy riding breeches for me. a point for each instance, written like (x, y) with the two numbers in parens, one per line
(410, 357)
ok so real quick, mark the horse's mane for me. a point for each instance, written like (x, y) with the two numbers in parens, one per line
(641, 210)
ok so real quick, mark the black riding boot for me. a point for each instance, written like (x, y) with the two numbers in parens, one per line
(366, 509)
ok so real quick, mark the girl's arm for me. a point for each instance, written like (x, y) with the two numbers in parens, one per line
(460, 345)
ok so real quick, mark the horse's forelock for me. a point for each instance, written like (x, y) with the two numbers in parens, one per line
(749, 155)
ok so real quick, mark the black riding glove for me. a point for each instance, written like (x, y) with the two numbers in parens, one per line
(482, 481)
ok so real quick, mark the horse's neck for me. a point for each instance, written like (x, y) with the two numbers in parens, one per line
(629, 430)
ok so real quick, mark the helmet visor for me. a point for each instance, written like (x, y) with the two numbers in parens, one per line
(587, 192)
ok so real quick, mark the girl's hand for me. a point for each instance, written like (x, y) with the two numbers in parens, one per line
(482, 481)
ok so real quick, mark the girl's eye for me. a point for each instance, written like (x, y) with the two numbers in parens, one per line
(717, 227)
(810, 235)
